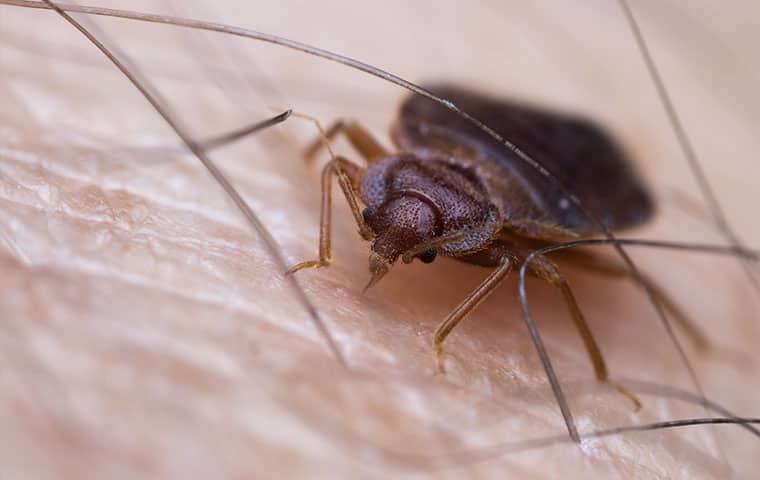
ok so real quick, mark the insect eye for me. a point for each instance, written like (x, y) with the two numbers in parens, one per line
(428, 256)
(366, 213)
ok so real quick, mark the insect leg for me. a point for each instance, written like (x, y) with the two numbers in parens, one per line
(601, 266)
(348, 175)
(547, 270)
(361, 139)
(468, 304)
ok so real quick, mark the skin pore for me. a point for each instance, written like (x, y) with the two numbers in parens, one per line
(149, 333)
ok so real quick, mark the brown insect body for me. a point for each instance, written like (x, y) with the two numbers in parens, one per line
(451, 189)
(452, 178)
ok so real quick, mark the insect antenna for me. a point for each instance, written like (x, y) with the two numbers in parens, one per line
(230, 137)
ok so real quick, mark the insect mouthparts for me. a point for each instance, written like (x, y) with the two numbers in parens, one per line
(378, 267)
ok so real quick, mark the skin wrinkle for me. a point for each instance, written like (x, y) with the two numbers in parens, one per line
(385, 333)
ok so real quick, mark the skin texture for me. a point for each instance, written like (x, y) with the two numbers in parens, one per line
(148, 333)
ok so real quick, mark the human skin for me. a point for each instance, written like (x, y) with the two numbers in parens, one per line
(149, 333)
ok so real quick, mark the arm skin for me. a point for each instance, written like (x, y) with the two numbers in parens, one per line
(146, 332)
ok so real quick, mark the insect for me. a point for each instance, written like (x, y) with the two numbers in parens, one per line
(307, 373)
(452, 191)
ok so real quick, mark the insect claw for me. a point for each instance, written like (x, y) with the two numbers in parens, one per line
(440, 363)
(630, 396)
(307, 264)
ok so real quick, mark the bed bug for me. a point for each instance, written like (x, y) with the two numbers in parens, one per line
(451, 190)
(406, 447)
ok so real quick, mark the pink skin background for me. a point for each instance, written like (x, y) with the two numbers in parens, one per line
(147, 332)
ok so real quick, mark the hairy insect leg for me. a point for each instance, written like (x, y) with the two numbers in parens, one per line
(603, 267)
(463, 309)
(547, 270)
(361, 139)
(348, 175)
